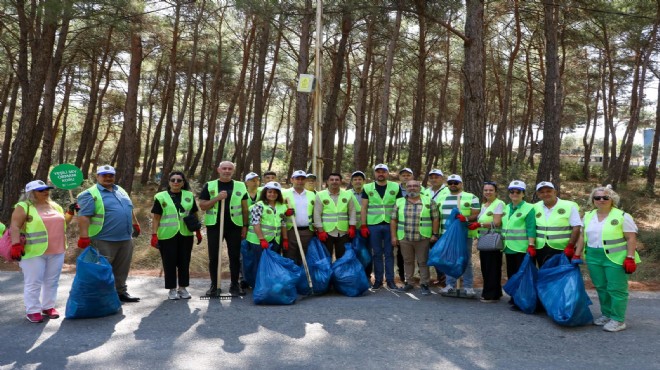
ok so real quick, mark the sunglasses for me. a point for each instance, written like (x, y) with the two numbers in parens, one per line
(601, 197)
(453, 182)
(176, 180)
(514, 191)
(42, 190)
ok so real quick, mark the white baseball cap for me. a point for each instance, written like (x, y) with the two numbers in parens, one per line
(454, 177)
(250, 176)
(544, 184)
(105, 169)
(406, 170)
(37, 185)
(298, 173)
(311, 176)
(273, 185)
(381, 166)
(436, 171)
(358, 173)
(517, 184)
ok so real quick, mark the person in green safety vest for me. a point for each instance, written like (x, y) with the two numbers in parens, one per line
(267, 220)
(490, 218)
(300, 203)
(253, 189)
(415, 224)
(2, 228)
(609, 242)
(170, 233)
(557, 224)
(357, 189)
(310, 182)
(437, 187)
(334, 216)
(235, 227)
(405, 175)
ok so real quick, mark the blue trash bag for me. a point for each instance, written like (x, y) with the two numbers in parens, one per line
(522, 286)
(93, 292)
(276, 280)
(251, 255)
(561, 290)
(320, 269)
(359, 245)
(348, 276)
(450, 254)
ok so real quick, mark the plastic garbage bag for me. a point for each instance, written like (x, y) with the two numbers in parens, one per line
(251, 255)
(276, 280)
(522, 286)
(93, 292)
(348, 277)
(320, 268)
(561, 290)
(450, 254)
(363, 254)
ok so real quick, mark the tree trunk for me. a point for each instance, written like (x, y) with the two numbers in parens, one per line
(254, 156)
(301, 132)
(360, 158)
(9, 129)
(387, 76)
(650, 178)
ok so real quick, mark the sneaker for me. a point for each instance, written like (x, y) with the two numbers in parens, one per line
(425, 290)
(601, 320)
(447, 289)
(469, 292)
(213, 290)
(173, 295)
(377, 285)
(35, 317)
(613, 326)
(51, 313)
(183, 293)
(484, 300)
(392, 286)
(235, 289)
(406, 288)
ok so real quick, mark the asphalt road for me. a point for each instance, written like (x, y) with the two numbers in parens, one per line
(379, 330)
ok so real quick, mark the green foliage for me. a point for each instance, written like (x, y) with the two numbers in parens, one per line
(651, 240)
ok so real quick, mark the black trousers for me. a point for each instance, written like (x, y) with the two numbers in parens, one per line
(175, 253)
(232, 236)
(491, 270)
(545, 253)
(513, 262)
(337, 244)
(399, 265)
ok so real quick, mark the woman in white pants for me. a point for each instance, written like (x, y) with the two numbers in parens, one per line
(43, 222)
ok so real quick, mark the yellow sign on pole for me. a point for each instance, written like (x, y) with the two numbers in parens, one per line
(306, 83)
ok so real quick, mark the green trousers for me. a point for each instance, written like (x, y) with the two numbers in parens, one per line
(611, 282)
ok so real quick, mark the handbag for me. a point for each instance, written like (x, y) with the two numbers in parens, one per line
(192, 222)
(491, 241)
(5, 241)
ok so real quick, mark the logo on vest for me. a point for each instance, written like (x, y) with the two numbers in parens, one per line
(344, 200)
(326, 202)
(519, 214)
(28, 218)
(466, 204)
(163, 204)
(392, 192)
(312, 202)
(490, 213)
(188, 199)
(269, 211)
(238, 193)
(561, 211)
(614, 222)
(428, 206)
(538, 215)
(371, 193)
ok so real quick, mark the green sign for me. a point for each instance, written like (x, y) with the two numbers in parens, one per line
(66, 176)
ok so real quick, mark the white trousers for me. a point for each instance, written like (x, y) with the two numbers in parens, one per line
(41, 276)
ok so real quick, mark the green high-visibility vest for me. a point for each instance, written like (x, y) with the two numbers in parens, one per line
(380, 209)
(171, 221)
(2, 228)
(464, 207)
(429, 192)
(612, 239)
(514, 228)
(487, 217)
(335, 215)
(555, 231)
(291, 203)
(96, 221)
(425, 221)
(271, 223)
(357, 203)
(251, 202)
(36, 234)
(235, 207)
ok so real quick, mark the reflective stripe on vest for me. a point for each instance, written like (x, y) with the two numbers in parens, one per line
(380, 209)
(425, 221)
(612, 239)
(335, 215)
(514, 228)
(235, 206)
(36, 234)
(557, 235)
(271, 223)
(171, 221)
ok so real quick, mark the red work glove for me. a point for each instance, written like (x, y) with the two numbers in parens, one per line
(289, 212)
(84, 242)
(198, 234)
(569, 251)
(17, 251)
(323, 236)
(136, 230)
(629, 265)
(263, 243)
(285, 244)
(473, 225)
(351, 231)
(577, 259)
(461, 218)
(154, 240)
(73, 208)
(364, 231)
(531, 250)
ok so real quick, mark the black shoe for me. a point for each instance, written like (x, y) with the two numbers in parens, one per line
(392, 286)
(407, 288)
(235, 289)
(125, 297)
(514, 308)
(377, 285)
(213, 291)
(244, 285)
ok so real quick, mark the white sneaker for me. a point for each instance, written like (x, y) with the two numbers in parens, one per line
(614, 325)
(469, 292)
(601, 320)
(183, 293)
(447, 289)
(173, 295)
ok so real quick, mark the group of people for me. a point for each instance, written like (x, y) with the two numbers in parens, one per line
(404, 216)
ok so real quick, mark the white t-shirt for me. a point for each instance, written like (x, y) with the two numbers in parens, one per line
(302, 213)
(594, 230)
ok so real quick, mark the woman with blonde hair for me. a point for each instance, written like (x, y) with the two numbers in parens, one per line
(609, 240)
(44, 224)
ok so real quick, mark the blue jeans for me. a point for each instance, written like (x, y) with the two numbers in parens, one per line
(468, 276)
(380, 242)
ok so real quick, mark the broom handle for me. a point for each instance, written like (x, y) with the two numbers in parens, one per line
(221, 234)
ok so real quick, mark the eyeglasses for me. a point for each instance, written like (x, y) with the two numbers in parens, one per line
(42, 190)
(514, 191)
(176, 180)
(601, 197)
(453, 182)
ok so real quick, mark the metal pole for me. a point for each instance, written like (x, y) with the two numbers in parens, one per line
(317, 139)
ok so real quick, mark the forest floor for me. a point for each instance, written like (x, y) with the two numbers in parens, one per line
(645, 211)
